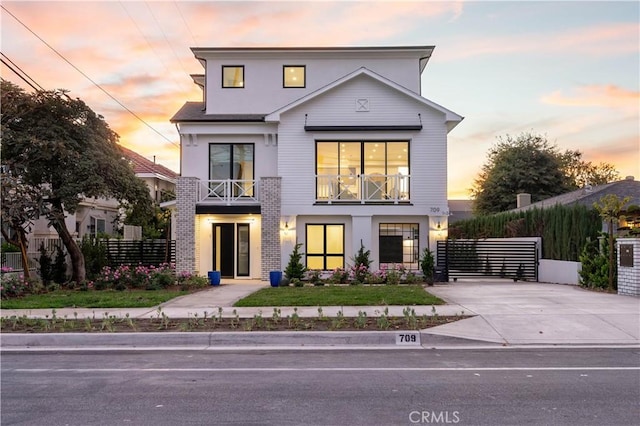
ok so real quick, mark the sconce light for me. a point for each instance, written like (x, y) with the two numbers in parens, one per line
(438, 226)
(286, 228)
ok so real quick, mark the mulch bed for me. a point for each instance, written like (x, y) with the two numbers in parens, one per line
(160, 324)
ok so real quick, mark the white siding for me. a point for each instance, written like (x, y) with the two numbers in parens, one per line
(263, 91)
(296, 148)
(195, 149)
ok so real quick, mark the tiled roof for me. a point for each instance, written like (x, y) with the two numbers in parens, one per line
(194, 111)
(588, 196)
(142, 165)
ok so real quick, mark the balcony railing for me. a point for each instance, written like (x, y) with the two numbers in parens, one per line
(228, 191)
(374, 188)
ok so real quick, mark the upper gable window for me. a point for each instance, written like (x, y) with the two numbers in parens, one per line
(233, 76)
(293, 76)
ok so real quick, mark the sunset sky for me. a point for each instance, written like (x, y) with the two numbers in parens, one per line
(567, 69)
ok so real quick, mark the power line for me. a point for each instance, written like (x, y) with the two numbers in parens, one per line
(23, 75)
(89, 78)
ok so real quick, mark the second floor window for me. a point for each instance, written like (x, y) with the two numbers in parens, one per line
(369, 170)
(293, 76)
(233, 76)
(232, 162)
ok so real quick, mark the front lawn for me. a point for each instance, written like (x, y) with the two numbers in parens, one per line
(333, 295)
(93, 299)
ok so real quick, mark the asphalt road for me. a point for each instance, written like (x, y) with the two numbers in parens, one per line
(507, 386)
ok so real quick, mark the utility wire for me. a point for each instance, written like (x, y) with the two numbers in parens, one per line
(23, 75)
(89, 78)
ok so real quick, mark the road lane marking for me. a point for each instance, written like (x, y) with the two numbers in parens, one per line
(311, 369)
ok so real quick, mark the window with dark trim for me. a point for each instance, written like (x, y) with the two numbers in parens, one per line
(325, 246)
(399, 244)
(233, 162)
(383, 166)
(233, 76)
(294, 76)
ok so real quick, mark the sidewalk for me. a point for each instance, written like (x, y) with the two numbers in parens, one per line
(504, 313)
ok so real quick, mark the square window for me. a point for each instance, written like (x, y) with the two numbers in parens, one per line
(294, 76)
(233, 76)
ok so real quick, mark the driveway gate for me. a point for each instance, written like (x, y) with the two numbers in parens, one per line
(499, 258)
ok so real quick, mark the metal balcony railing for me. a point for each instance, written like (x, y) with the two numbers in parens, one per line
(373, 188)
(228, 191)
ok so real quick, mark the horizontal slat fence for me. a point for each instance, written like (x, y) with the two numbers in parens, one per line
(144, 252)
(484, 258)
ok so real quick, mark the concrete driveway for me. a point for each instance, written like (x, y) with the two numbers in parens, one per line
(539, 313)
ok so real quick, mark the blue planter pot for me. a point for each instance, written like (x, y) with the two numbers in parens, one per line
(275, 277)
(214, 277)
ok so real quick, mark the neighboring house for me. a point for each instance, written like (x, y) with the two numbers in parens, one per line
(327, 147)
(158, 178)
(460, 210)
(99, 215)
(587, 196)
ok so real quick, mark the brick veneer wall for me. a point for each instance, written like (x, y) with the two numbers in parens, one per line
(629, 277)
(186, 197)
(270, 196)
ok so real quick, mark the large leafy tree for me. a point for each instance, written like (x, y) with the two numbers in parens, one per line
(60, 147)
(529, 163)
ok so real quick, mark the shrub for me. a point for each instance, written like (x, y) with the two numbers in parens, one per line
(95, 256)
(59, 268)
(427, 265)
(45, 265)
(339, 276)
(595, 264)
(295, 268)
(361, 264)
(13, 285)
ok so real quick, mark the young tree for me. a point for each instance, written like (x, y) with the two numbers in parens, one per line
(528, 163)
(610, 207)
(60, 147)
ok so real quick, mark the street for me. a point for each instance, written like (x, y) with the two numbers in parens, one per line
(506, 386)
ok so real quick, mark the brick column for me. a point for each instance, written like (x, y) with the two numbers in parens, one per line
(186, 198)
(628, 266)
(270, 195)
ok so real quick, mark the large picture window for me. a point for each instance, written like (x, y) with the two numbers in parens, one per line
(399, 244)
(233, 76)
(371, 170)
(325, 246)
(233, 162)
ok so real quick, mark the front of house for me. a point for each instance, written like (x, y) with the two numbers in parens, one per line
(327, 147)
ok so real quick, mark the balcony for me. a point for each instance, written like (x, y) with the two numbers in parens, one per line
(228, 192)
(363, 189)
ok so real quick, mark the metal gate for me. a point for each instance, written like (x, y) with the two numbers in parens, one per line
(500, 258)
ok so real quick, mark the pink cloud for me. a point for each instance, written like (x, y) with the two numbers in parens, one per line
(598, 41)
(607, 96)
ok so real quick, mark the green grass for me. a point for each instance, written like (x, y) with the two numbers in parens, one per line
(93, 299)
(340, 296)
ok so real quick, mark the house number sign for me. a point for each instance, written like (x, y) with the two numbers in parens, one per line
(408, 338)
(626, 255)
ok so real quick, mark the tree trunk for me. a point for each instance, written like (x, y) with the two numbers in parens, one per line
(19, 241)
(22, 243)
(77, 258)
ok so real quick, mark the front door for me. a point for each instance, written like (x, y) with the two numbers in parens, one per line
(223, 249)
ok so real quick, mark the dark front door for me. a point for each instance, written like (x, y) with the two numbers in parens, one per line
(223, 248)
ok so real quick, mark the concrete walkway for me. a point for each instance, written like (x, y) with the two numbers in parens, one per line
(503, 312)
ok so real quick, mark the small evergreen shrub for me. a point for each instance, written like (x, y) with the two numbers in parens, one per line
(46, 267)
(427, 265)
(295, 268)
(59, 267)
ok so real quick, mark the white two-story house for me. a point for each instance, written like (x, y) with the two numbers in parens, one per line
(328, 147)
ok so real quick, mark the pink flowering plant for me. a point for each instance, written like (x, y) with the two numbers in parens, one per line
(15, 285)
